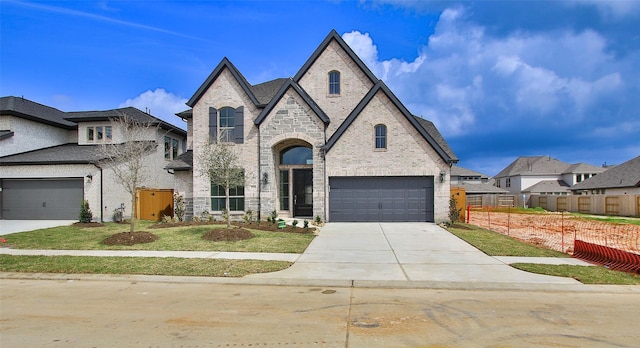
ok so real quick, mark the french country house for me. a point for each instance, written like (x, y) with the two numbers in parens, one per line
(49, 161)
(332, 142)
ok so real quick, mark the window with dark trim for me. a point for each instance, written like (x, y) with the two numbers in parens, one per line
(218, 197)
(381, 136)
(334, 82)
(226, 125)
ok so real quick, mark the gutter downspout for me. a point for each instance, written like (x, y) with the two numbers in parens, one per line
(259, 178)
(101, 193)
(324, 169)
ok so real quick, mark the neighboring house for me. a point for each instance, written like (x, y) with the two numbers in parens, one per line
(543, 175)
(623, 179)
(473, 182)
(331, 142)
(49, 162)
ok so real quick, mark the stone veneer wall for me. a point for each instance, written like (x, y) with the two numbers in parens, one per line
(290, 120)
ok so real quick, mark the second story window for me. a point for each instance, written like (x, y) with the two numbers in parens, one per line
(99, 134)
(226, 125)
(334, 82)
(381, 137)
(171, 148)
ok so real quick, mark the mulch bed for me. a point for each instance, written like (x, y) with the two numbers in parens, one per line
(228, 235)
(87, 224)
(130, 238)
(257, 225)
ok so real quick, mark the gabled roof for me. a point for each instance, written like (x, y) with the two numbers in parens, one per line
(106, 115)
(265, 91)
(626, 174)
(480, 188)
(183, 162)
(435, 134)
(548, 186)
(60, 154)
(33, 111)
(333, 35)
(448, 157)
(534, 165)
(580, 168)
(460, 171)
(307, 99)
(224, 64)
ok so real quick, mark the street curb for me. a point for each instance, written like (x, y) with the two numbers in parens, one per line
(362, 284)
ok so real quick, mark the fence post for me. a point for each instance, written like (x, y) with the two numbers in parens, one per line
(508, 220)
(562, 231)
(468, 213)
(489, 218)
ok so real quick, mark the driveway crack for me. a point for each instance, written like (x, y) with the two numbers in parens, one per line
(406, 276)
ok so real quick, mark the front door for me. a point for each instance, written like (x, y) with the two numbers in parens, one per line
(303, 192)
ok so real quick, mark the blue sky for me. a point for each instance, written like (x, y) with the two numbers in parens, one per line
(500, 79)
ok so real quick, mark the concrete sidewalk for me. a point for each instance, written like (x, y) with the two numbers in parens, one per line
(15, 226)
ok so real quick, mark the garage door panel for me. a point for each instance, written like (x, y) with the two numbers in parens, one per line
(381, 199)
(42, 199)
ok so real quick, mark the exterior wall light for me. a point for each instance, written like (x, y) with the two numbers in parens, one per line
(265, 178)
(442, 175)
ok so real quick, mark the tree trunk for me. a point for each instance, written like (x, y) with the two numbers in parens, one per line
(133, 202)
(227, 205)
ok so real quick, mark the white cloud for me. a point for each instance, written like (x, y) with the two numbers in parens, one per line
(159, 103)
(464, 78)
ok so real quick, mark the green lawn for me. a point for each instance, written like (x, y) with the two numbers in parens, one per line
(187, 238)
(169, 266)
(175, 238)
(496, 244)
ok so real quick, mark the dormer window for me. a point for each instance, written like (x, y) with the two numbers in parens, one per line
(334, 83)
(99, 134)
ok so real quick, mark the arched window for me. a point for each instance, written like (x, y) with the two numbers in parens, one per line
(334, 82)
(381, 136)
(296, 155)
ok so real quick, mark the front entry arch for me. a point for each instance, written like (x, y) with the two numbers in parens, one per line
(295, 165)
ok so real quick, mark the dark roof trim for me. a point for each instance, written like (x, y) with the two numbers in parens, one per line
(333, 35)
(185, 114)
(291, 84)
(5, 134)
(135, 113)
(380, 86)
(225, 63)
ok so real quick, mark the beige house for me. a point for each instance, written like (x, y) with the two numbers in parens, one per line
(331, 142)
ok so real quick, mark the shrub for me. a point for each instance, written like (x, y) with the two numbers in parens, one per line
(318, 220)
(248, 216)
(85, 212)
(305, 224)
(179, 206)
(274, 217)
(454, 213)
(294, 223)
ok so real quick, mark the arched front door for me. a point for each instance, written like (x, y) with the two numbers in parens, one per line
(296, 180)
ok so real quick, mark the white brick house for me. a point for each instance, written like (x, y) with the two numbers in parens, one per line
(333, 141)
(49, 162)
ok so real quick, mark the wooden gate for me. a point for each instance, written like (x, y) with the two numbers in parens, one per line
(153, 204)
(460, 195)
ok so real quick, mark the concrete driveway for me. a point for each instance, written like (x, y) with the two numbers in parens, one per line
(15, 226)
(401, 252)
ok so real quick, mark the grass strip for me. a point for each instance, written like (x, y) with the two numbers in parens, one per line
(170, 266)
(583, 274)
(496, 244)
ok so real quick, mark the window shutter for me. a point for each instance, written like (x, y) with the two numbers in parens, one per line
(239, 125)
(213, 125)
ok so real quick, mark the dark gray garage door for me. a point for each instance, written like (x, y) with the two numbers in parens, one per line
(404, 198)
(41, 199)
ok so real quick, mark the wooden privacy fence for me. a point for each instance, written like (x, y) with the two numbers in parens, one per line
(492, 200)
(153, 204)
(612, 244)
(612, 205)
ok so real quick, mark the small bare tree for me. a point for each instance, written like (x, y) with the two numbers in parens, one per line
(127, 159)
(219, 164)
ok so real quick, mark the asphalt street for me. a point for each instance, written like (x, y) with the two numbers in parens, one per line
(128, 313)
